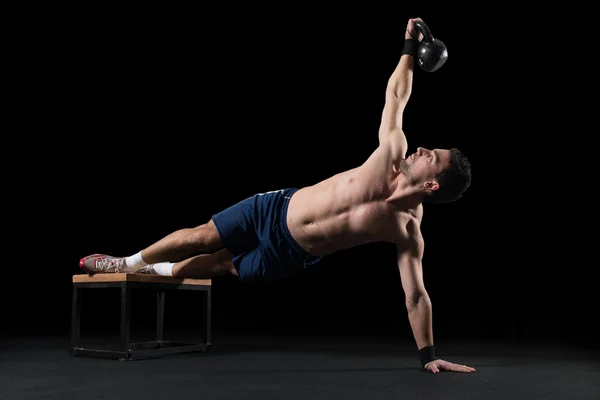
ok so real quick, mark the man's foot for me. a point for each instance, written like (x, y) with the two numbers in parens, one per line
(101, 263)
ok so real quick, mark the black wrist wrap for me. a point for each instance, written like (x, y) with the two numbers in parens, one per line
(427, 354)
(410, 47)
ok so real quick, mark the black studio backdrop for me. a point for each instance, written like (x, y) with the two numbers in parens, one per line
(167, 122)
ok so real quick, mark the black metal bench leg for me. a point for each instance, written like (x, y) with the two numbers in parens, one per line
(75, 317)
(125, 317)
(160, 315)
(207, 316)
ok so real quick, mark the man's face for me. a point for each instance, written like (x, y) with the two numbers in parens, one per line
(423, 165)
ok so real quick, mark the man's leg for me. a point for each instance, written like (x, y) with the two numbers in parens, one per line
(174, 247)
(183, 243)
(205, 266)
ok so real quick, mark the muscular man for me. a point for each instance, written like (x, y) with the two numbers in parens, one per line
(275, 234)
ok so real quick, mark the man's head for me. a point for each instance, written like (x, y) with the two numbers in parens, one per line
(442, 175)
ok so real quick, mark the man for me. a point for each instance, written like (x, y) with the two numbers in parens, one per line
(275, 234)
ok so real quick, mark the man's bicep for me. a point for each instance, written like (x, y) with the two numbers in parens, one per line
(390, 129)
(411, 269)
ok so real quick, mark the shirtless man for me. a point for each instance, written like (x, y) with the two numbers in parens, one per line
(275, 234)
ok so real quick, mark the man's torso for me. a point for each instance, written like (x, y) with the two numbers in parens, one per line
(355, 207)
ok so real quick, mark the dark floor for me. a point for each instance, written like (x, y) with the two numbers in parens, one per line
(283, 367)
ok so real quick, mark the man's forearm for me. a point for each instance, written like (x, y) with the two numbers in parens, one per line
(420, 318)
(400, 82)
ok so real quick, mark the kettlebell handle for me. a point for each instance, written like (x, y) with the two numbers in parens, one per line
(424, 29)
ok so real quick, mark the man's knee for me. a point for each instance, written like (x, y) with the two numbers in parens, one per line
(206, 237)
(227, 267)
(225, 262)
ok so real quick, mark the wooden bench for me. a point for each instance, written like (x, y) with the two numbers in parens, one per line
(126, 282)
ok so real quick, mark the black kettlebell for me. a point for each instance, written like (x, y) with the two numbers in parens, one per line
(431, 53)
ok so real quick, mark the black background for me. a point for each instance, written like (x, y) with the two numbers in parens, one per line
(133, 123)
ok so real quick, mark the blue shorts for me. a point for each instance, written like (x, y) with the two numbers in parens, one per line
(255, 230)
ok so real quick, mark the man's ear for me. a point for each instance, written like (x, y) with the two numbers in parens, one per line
(432, 186)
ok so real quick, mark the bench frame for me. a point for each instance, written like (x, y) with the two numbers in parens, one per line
(129, 351)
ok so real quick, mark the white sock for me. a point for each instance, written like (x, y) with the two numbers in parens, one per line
(135, 261)
(163, 268)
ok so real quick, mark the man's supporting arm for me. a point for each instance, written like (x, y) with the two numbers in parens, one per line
(418, 303)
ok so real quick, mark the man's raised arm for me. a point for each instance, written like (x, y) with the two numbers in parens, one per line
(399, 88)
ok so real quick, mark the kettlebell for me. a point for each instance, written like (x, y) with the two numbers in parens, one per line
(431, 53)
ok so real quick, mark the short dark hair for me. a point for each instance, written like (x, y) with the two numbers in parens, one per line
(454, 180)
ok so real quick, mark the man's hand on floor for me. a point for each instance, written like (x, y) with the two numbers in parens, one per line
(436, 366)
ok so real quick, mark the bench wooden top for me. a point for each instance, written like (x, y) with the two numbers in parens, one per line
(123, 277)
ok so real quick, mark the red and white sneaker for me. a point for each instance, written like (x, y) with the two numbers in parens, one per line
(147, 270)
(101, 263)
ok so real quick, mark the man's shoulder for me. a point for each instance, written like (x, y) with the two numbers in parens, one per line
(411, 241)
(409, 228)
(417, 213)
